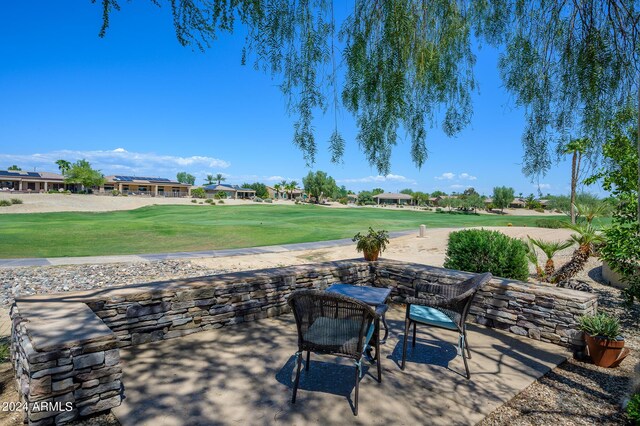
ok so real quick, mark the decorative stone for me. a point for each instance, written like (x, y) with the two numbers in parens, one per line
(88, 360)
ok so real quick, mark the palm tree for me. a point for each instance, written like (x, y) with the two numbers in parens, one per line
(550, 248)
(220, 178)
(210, 180)
(63, 165)
(586, 238)
(577, 147)
(277, 188)
(290, 187)
(591, 211)
(532, 255)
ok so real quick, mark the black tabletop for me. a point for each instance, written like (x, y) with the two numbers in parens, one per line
(373, 296)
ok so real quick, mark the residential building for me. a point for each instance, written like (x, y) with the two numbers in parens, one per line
(15, 180)
(296, 194)
(231, 191)
(393, 198)
(150, 186)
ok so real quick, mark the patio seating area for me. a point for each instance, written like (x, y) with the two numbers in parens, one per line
(244, 375)
(220, 349)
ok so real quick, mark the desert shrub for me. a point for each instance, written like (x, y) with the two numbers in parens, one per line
(268, 200)
(438, 209)
(369, 203)
(16, 201)
(208, 201)
(509, 224)
(540, 210)
(550, 223)
(480, 250)
(257, 200)
(633, 409)
(5, 203)
(4, 350)
(490, 206)
(220, 201)
(220, 195)
(343, 200)
(198, 193)
(115, 192)
(194, 201)
(297, 202)
(201, 202)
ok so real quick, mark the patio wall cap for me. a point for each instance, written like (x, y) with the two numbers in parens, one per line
(496, 282)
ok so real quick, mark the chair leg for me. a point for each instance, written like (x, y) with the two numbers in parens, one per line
(357, 388)
(306, 366)
(295, 383)
(464, 358)
(466, 343)
(378, 356)
(415, 326)
(407, 324)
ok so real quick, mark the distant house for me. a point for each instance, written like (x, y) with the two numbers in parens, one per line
(517, 203)
(140, 185)
(296, 194)
(544, 203)
(230, 191)
(17, 180)
(393, 198)
(352, 198)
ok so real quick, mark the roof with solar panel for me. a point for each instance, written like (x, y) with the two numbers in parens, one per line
(20, 174)
(140, 179)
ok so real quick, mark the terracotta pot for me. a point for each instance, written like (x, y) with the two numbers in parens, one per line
(371, 255)
(605, 352)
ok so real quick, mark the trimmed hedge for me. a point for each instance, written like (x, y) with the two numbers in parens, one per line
(480, 250)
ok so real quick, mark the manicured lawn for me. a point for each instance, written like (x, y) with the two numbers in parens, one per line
(159, 229)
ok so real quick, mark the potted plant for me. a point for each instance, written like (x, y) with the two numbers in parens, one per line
(604, 342)
(372, 243)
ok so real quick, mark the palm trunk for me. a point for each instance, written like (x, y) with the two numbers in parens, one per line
(549, 268)
(573, 266)
(574, 182)
(638, 147)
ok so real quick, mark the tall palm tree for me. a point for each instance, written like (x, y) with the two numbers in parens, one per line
(277, 188)
(290, 187)
(586, 237)
(550, 248)
(220, 178)
(210, 179)
(63, 165)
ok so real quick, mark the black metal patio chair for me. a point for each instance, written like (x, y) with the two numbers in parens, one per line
(443, 306)
(333, 324)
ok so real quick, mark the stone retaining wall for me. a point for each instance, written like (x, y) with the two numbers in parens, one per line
(65, 347)
(541, 312)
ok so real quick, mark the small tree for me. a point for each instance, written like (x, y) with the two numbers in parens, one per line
(14, 168)
(81, 173)
(186, 178)
(502, 197)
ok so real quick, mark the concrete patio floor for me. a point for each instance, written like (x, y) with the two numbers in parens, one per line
(243, 375)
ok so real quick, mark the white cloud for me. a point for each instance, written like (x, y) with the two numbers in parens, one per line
(457, 186)
(379, 179)
(466, 176)
(118, 160)
(542, 186)
(446, 176)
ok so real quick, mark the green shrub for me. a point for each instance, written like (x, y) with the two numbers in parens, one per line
(115, 192)
(550, 223)
(343, 200)
(257, 200)
(480, 250)
(220, 195)
(5, 203)
(601, 325)
(198, 193)
(208, 201)
(540, 210)
(4, 350)
(438, 209)
(220, 201)
(268, 200)
(633, 409)
(16, 201)
(194, 201)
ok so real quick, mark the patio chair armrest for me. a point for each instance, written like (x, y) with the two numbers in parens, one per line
(431, 289)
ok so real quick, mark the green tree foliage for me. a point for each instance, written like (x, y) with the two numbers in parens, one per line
(407, 191)
(219, 177)
(376, 191)
(365, 198)
(502, 197)
(184, 177)
(81, 173)
(63, 166)
(260, 188)
(198, 193)
(438, 194)
(14, 168)
(619, 176)
(420, 198)
(319, 185)
(479, 250)
(470, 191)
(210, 179)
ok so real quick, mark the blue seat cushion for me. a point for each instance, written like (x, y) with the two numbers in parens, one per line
(336, 332)
(431, 316)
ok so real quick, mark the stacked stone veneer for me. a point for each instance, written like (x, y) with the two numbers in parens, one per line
(541, 312)
(65, 348)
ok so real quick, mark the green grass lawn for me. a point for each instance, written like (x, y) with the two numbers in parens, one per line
(158, 229)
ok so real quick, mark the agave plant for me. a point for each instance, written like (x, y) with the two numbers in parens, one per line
(550, 248)
(586, 237)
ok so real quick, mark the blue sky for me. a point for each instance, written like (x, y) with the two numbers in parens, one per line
(136, 102)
